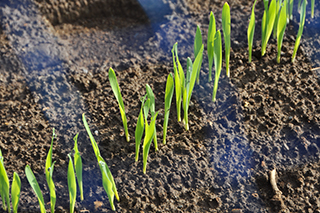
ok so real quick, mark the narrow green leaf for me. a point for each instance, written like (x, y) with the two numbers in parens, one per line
(250, 31)
(15, 192)
(226, 28)
(197, 48)
(49, 172)
(5, 187)
(271, 15)
(263, 30)
(93, 141)
(282, 23)
(167, 104)
(99, 159)
(36, 188)
(210, 43)
(150, 96)
(149, 134)
(190, 85)
(312, 8)
(177, 79)
(107, 184)
(217, 63)
(110, 178)
(300, 31)
(72, 186)
(139, 129)
(291, 9)
(117, 93)
(78, 165)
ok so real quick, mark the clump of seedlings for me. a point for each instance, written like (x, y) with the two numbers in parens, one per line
(184, 84)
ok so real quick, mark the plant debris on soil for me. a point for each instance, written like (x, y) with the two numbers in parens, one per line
(54, 62)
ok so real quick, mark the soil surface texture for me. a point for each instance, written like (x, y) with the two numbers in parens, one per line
(54, 62)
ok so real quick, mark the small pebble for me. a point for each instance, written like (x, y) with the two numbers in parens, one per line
(96, 132)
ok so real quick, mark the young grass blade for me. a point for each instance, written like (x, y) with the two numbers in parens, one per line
(109, 176)
(300, 31)
(99, 158)
(117, 93)
(250, 31)
(275, 25)
(167, 105)
(149, 134)
(107, 184)
(139, 129)
(36, 188)
(150, 96)
(190, 85)
(217, 63)
(197, 47)
(290, 9)
(15, 192)
(268, 25)
(226, 27)
(93, 141)
(49, 171)
(72, 186)
(312, 8)
(282, 23)
(185, 103)
(78, 165)
(178, 79)
(210, 43)
(4, 189)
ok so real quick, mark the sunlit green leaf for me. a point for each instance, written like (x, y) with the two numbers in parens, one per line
(167, 104)
(226, 28)
(15, 192)
(217, 63)
(250, 31)
(36, 188)
(210, 43)
(117, 93)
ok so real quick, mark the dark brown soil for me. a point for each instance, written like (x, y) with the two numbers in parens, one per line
(54, 61)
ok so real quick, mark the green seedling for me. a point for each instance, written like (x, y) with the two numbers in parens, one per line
(250, 32)
(217, 63)
(226, 28)
(312, 8)
(107, 178)
(210, 43)
(290, 9)
(149, 135)
(189, 85)
(49, 170)
(186, 83)
(167, 105)
(275, 25)
(78, 165)
(15, 192)
(72, 186)
(152, 108)
(117, 93)
(267, 23)
(36, 188)
(281, 27)
(178, 79)
(4, 188)
(197, 48)
(139, 129)
(300, 31)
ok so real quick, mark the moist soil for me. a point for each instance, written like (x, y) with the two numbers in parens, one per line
(54, 62)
